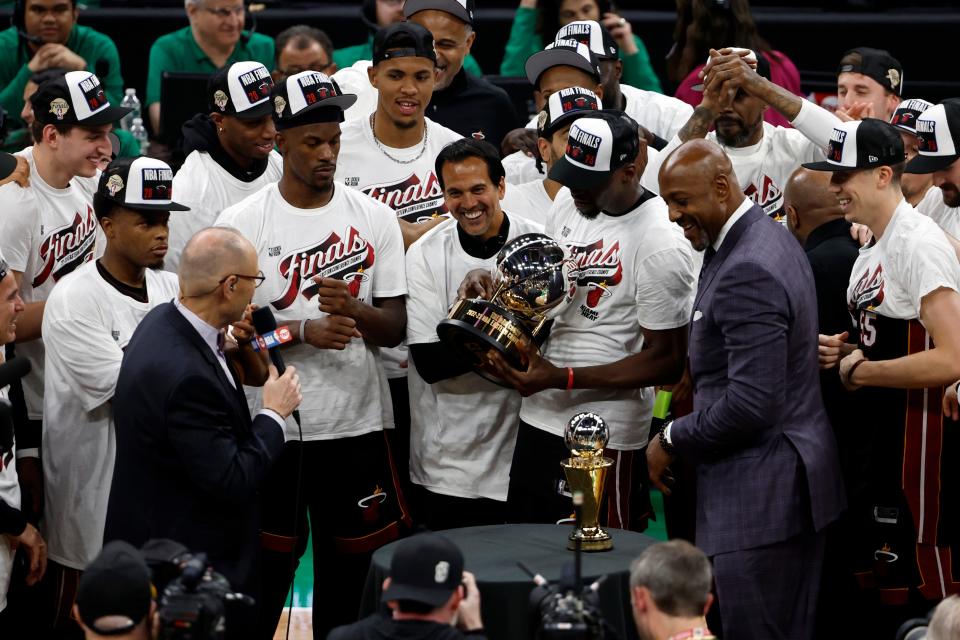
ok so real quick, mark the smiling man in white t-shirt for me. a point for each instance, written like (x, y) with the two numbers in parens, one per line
(89, 318)
(332, 260)
(624, 331)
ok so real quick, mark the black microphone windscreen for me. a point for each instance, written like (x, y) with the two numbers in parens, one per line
(263, 320)
(13, 370)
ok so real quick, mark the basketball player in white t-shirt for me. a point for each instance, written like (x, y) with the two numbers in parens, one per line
(389, 155)
(334, 275)
(49, 228)
(462, 426)
(88, 320)
(624, 331)
(230, 149)
(904, 294)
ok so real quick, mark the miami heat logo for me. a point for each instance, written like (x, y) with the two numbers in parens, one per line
(868, 292)
(768, 195)
(346, 258)
(370, 506)
(412, 199)
(67, 248)
(598, 269)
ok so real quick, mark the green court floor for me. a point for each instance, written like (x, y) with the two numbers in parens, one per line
(303, 584)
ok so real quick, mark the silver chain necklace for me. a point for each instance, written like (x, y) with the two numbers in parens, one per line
(373, 130)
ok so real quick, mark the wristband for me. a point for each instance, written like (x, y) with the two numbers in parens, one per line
(569, 378)
(852, 369)
(303, 328)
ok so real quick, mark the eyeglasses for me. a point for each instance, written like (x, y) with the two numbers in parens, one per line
(225, 12)
(259, 278)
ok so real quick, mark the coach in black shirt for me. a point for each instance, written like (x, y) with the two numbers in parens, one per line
(469, 105)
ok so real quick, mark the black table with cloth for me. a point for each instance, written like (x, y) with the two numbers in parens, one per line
(491, 554)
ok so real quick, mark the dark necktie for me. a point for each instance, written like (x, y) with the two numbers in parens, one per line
(221, 342)
(707, 257)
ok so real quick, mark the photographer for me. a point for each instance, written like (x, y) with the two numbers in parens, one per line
(114, 596)
(430, 594)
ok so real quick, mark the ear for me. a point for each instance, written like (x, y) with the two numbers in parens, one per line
(372, 75)
(386, 584)
(618, 70)
(599, 91)
(502, 188)
(884, 177)
(470, 40)
(709, 603)
(721, 186)
(792, 215)
(107, 225)
(281, 143)
(543, 146)
(640, 162)
(641, 598)
(217, 119)
(51, 136)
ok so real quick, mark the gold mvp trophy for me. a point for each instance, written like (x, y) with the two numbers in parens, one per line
(586, 471)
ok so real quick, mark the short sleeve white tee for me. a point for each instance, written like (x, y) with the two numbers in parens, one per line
(529, 200)
(207, 188)
(403, 179)
(351, 238)
(947, 218)
(660, 114)
(635, 271)
(87, 324)
(354, 80)
(462, 429)
(911, 259)
(45, 233)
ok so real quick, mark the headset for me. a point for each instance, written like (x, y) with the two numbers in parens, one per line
(250, 10)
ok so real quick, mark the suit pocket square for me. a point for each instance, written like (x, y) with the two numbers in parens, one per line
(697, 315)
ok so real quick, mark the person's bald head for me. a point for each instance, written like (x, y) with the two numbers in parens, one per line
(701, 190)
(808, 202)
(218, 275)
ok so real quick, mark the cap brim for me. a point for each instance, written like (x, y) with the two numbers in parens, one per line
(8, 164)
(432, 597)
(823, 165)
(928, 164)
(452, 7)
(343, 102)
(549, 58)
(265, 108)
(574, 177)
(108, 116)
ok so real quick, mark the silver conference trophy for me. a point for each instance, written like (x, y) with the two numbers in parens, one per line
(586, 470)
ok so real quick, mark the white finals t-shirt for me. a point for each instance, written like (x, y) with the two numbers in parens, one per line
(353, 239)
(45, 233)
(87, 324)
(947, 218)
(207, 188)
(463, 429)
(636, 271)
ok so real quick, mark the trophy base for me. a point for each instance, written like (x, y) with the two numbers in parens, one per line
(473, 327)
(596, 540)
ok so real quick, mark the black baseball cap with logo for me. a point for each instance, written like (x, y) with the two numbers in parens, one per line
(907, 112)
(938, 136)
(75, 98)
(562, 53)
(141, 184)
(598, 144)
(565, 106)
(592, 34)
(876, 64)
(861, 144)
(116, 585)
(309, 97)
(425, 568)
(241, 90)
(462, 9)
(403, 40)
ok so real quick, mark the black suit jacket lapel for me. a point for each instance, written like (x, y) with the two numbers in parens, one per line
(733, 236)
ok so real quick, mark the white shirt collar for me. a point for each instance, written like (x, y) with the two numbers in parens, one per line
(732, 220)
(208, 332)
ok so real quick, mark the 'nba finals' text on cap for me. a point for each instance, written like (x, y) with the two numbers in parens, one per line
(75, 98)
(309, 97)
(861, 144)
(565, 106)
(462, 9)
(905, 117)
(141, 184)
(876, 64)
(403, 40)
(598, 144)
(241, 90)
(592, 34)
(115, 587)
(562, 53)
(425, 568)
(938, 136)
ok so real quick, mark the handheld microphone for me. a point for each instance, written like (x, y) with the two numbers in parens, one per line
(13, 370)
(264, 323)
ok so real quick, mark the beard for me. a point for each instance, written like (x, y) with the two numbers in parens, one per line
(740, 136)
(950, 193)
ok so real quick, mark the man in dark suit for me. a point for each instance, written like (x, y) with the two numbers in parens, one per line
(189, 458)
(768, 478)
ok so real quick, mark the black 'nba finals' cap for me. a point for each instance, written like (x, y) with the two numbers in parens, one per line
(141, 184)
(309, 97)
(598, 144)
(241, 90)
(565, 106)
(75, 98)
(938, 133)
(861, 144)
(592, 34)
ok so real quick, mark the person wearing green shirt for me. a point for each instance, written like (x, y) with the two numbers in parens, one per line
(214, 39)
(46, 36)
(377, 14)
(536, 22)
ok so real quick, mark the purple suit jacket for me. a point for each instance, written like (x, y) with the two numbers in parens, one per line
(767, 466)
